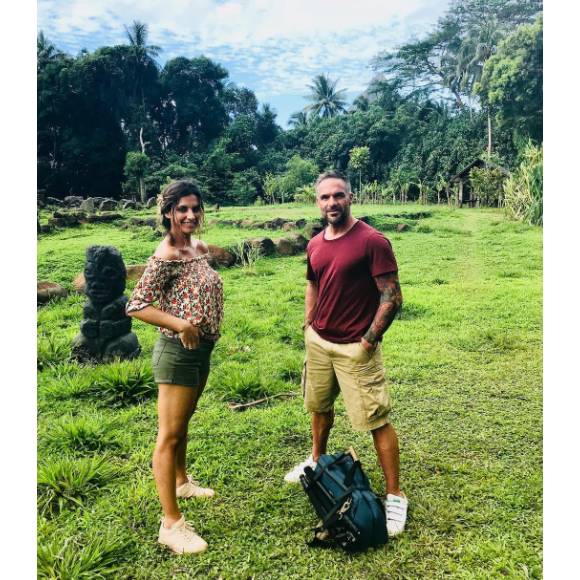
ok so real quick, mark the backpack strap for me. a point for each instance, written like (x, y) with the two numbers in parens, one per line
(349, 478)
(320, 471)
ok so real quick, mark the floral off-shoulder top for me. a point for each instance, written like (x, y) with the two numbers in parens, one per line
(188, 289)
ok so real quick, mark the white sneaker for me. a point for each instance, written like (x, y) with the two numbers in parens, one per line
(294, 475)
(192, 489)
(181, 539)
(396, 512)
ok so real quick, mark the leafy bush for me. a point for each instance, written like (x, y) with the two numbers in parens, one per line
(51, 351)
(71, 480)
(159, 179)
(125, 383)
(487, 184)
(243, 189)
(247, 256)
(97, 558)
(524, 190)
(89, 433)
(69, 386)
(299, 172)
(240, 386)
(306, 194)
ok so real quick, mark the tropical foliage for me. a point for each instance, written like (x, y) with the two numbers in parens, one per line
(115, 122)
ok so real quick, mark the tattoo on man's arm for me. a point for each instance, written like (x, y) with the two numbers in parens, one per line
(391, 302)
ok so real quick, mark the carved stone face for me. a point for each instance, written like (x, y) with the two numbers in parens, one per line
(105, 274)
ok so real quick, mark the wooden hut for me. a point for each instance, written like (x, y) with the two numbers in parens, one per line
(464, 179)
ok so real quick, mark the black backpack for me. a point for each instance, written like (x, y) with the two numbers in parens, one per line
(350, 513)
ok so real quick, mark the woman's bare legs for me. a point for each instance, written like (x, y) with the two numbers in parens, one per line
(175, 406)
(180, 461)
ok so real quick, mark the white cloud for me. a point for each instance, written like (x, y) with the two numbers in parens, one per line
(279, 45)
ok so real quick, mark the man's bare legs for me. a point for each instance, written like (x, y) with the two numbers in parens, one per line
(384, 438)
(321, 426)
(387, 446)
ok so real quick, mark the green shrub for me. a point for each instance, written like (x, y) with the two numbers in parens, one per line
(247, 256)
(88, 433)
(240, 386)
(96, 559)
(124, 383)
(306, 194)
(487, 184)
(291, 369)
(69, 386)
(51, 351)
(71, 481)
(524, 190)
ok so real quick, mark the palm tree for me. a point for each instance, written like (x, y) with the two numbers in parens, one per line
(46, 51)
(479, 45)
(145, 54)
(361, 103)
(137, 35)
(298, 119)
(325, 98)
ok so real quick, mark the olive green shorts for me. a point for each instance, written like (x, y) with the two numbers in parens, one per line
(173, 364)
(331, 368)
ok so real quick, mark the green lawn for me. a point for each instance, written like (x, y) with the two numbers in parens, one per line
(464, 365)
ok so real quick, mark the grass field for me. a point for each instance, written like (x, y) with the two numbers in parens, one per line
(464, 364)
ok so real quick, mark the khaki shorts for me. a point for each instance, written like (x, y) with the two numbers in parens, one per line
(330, 368)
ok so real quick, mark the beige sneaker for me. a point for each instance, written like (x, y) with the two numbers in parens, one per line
(192, 489)
(181, 539)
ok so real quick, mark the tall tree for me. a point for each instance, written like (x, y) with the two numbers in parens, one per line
(434, 65)
(46, 52)
(476, 49)
(361, 103)
(137, 35)
(359, 159)
(326, 100)
(298, 119)
(512, 83)
(240, 101)
(144, 55)
(193, 107)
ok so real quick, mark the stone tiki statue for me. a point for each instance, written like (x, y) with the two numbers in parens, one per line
(105, 328)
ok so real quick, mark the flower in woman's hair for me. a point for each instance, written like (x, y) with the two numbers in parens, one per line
(159, 203)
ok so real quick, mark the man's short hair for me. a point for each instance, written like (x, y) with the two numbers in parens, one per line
(332, 175)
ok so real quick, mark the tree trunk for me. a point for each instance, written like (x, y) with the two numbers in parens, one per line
(458, 100)
(488, 136)
(360, 186)
(143, 190)
(460, 194)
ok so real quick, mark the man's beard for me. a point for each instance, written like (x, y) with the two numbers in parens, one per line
(336, 221)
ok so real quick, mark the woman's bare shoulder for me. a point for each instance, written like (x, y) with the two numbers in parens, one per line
(166, 252)
(202, 247)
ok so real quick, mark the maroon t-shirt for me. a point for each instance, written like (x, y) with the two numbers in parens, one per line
(343, 271)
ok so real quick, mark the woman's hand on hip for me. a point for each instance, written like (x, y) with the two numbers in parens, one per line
(189, 336)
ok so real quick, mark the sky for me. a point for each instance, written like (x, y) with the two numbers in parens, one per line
(273, 47)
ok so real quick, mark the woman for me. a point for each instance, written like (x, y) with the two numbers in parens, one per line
(189, 313)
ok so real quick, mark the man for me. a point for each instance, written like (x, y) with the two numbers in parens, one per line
(352, 297)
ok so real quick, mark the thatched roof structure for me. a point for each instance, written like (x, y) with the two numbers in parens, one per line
(479, 163)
